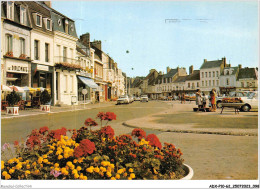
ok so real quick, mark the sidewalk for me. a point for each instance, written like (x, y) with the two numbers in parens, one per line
(57, 109)
(150, 122)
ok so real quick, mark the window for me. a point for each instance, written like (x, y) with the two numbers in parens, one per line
(227, 81)
(48, 24)
(71, 78)
(209, 74)
(188, 85)
(38, 20)
(64, 54)
(22, 15)
(213, 83)
(217, 82)
(202, 83)
(242, 84)
(206, 74)
(66, 83)
(9, 43)
(213, 73)
(47, 52)
(248, 84)
(253, 84)
(209, 83)
(202, 74)
(216, 73)
(198, 84)
(206, 83)
(22, 46)
(36, 49)
(10, 10)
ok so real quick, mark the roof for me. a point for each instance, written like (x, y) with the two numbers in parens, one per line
(137, 82)
(171, 73)
(180, 79)
(245, 73)
(82, 48)
(232, 73)
(194, 76)
(158, 79)
(211, 64)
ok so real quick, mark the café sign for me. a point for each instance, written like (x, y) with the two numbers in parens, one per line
(17, 67)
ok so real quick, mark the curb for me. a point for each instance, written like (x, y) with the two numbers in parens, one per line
(194, 132)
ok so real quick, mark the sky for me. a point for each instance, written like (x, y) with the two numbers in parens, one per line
(158, 34)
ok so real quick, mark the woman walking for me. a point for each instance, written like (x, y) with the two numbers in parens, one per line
(213, 99)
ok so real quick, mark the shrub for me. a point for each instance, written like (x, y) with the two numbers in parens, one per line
(45, 97)
(92, 155)
(12, 98)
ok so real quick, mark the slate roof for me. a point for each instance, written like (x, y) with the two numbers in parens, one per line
(137, 82)
(180, 79)
(82, 48)
(171, 73)
(211, 64)
(194, 76)
(158, 80)
(245, 73)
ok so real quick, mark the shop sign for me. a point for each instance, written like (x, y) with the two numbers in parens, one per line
(17, 67)
(43, 68)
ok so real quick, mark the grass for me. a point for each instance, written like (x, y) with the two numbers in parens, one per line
(210, 121)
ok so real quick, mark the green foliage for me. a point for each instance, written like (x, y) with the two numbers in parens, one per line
(12, 98)
(45, 97)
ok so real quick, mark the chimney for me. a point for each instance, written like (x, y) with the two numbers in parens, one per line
(205, 60)
(239, 66)
(97, 44)
(224, 61)
(85, 39)
(178, 69)
(48, 3)
(191, 70)
(168, 69)
(160, 73)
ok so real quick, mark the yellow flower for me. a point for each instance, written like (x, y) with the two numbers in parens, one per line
(56, 165)
(113, 178)
(66, 137)
(75, 171)
(10, 161)
(81, 176)
(96, 169)
(4, 173)
(76, 176)
(104, 139)
(27, 172)
(44, 156)
(89, 170)
(132, 175)
(76, 145)
(40, 159)
(7, 177)
(109, 174)
(117, 176)
(85, 178)
(69, 163)
(36, 171)
(103, 163)
(58, 152)
(2, 164)
(52, 147)
(129, 178)
(19, 166)
(66, 155)
(78, 168)
(120, 171)
(34, 163)
(112, 166)
(75, 161)
(125, 174)
(45, 161)
(27, 166)
(60, 157)
(131, 170)
(56, 169)
(72, 167)
(103, 169)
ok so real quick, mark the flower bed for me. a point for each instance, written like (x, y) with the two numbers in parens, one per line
(232, 100)
(93, 154)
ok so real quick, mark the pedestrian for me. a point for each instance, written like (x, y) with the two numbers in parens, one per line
(198, 99)
(204, 101)
(183, 98)
(213, 99)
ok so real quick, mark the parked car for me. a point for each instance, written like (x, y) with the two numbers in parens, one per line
(124, 99)
(144, 98)
(131, 99)
(137, 98)
(251, 102)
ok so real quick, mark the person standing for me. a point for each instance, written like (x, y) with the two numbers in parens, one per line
(204, 101)
(198, 99)
(213, 99)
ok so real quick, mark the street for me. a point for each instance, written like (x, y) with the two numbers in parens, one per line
(226, 153)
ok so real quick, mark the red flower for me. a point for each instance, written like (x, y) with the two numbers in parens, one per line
(139, 133)
(16, 143)
(86, 147)
(57, 133)
(33, 141)
(90, 122)
(154, 141)
(101, 116)
(43, 130)
(109, 116)
(108, 131)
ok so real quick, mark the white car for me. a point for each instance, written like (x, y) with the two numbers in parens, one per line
(131, 99)
(144, 98)
(251, 102)
(124, 99)
(137, 98)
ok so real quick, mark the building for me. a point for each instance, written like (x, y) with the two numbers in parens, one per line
(228, 79)
(247, 79)
(192, 81)
(135, 86)
(148, 85)
(210, 73)
(15, 44)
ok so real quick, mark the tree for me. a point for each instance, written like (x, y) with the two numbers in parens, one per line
(12, 98)
(45, 97)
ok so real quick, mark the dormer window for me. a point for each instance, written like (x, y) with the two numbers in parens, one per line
(10, 10)
(22, 15)
(48, 24)
(38, 19)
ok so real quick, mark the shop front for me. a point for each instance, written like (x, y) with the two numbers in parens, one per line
(90, 86)
(42, 77)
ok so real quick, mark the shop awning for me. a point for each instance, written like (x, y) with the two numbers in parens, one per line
(89, 82)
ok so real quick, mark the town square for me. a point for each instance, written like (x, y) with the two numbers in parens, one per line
(141, 91)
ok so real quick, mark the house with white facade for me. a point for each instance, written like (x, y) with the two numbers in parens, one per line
(228, 79)
(192, 82)
(247, 79)
(15, 44)
(210, 74)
